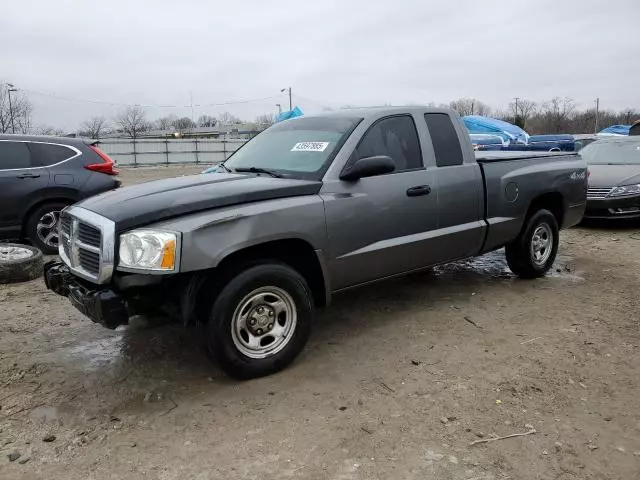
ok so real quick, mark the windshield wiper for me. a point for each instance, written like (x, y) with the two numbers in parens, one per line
(221, 164)
(258, 170)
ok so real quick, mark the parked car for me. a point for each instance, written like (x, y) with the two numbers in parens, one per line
(614, 178)
(552, 143)
(582, 140)
(310, 207)
(39, 176)
(486, 142)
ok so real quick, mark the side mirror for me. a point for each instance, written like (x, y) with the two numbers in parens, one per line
(368, 167)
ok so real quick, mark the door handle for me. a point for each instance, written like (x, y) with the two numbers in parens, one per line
(419, 190)
(28, 175)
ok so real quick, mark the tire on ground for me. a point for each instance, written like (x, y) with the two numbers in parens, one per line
(234, 292)
(31, 225)
(519, 253)
(21, 269)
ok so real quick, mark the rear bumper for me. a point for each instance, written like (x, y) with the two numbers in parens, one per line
(610, 208)
(101, 305)
(574, 215)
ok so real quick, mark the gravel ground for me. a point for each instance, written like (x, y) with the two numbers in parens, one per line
(397, 381)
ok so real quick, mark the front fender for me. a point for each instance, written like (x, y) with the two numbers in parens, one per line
(208, 237)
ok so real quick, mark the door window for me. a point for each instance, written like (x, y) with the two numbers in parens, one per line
(14, 155)
(395, 137)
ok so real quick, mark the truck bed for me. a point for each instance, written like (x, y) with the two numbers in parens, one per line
(513, 180)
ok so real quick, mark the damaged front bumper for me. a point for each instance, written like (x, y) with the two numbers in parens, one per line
(101, 305)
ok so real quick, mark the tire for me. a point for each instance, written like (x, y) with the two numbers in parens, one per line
(19, 263)
(260, 321)
(45, 214)
(521, 254)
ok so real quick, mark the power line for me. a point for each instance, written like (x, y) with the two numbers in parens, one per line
(117, 104)
(311, 101)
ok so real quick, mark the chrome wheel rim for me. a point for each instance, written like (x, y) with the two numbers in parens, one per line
(13, 253)
(264, 322)
(47, 228)
(541, 244)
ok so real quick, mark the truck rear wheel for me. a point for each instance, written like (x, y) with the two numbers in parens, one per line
(533, 252)
(260, 321)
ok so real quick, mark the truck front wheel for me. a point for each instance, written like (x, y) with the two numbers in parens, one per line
(260, 321)
(533, 252)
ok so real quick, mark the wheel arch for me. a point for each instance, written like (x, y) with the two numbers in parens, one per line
(552, 201)
(297, 253)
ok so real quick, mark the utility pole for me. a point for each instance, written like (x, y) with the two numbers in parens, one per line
(595, 130)
(191, 101)
(290, 103)
(516, 113)
(9, 90)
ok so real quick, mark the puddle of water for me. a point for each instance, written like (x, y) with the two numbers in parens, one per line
(493, 265)
(98, 353)
(45, 414)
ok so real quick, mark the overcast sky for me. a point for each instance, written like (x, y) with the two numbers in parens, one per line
(333, 53)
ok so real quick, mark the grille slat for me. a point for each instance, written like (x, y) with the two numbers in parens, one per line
(89, 261)
(598, 192)
(88, 234)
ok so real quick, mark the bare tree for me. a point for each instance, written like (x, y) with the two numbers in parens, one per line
(226, 118)
(133, 121)
(183, 124)
(265, 120)
(15, 114)
(629, 115)
(518, 113)
(555, 115)
(95, 127)
(470, 106)
(48, 130)
(207, 121)
(165, 123)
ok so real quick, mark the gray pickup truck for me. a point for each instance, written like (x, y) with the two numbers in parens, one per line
(311, 207)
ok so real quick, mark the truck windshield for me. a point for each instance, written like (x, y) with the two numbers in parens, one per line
(297, 148)
(623, 152)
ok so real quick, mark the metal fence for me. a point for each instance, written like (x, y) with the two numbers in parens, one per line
(169, 151)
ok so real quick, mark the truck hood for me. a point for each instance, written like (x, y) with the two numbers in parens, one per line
(140, 205)
(605, 176)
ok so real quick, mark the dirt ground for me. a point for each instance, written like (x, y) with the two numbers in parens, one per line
(397, 381)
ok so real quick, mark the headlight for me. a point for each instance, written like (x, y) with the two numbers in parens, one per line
(625, 190)
(149, 250)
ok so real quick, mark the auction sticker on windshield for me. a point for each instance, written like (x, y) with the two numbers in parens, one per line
(310, 147)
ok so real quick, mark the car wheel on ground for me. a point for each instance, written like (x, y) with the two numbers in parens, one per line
(42, 226)
(19, 263)
(260, 321)
(533, 252)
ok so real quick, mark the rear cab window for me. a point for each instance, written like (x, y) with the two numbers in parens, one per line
(47, 154)
(14, 155)
(445, 140)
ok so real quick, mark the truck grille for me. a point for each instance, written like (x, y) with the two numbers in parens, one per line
(88, 235)
(598, 192)
(86, 244)
(89, 261)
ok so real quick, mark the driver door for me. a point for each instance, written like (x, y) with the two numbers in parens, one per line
(380, 226)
